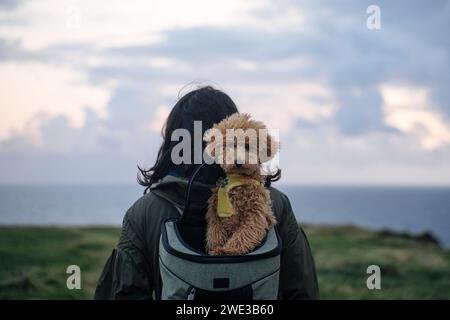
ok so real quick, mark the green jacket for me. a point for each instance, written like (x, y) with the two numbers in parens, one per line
(132, 270)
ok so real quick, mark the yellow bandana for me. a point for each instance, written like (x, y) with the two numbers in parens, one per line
(224, 207)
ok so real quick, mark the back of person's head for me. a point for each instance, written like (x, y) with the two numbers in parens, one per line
(205, 104)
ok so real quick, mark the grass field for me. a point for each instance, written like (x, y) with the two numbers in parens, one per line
(33, 262)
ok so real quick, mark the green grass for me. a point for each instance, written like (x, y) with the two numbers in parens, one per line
(33, 262)
(410, 269)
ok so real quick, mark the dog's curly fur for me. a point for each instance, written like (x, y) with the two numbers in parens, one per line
(243, 231)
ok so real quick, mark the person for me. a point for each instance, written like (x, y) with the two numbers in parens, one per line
(132, 270)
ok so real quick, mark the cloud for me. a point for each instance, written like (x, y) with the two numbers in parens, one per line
(108, 23)
(30, 88)
(102, 149)
(283, 105)
(411, 111)
(10, 4)
(360, 112)
(353, 105)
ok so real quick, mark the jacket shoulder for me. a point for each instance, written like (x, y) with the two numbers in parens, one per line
(280, 201)
(150, 209)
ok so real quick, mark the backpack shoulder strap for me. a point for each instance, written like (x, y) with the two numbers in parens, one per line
(179, 210)
(185, 212)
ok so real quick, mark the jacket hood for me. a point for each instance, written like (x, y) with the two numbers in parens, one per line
(174, 189)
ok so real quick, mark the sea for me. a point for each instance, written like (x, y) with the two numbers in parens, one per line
(406, 209)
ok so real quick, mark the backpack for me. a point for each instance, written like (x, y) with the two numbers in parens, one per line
(191, 274)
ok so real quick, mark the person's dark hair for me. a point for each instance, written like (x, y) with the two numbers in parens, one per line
(205, 104)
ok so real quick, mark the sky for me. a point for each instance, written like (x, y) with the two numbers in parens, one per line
(85, 86)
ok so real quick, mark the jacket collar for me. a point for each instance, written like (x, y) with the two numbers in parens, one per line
(173, 189)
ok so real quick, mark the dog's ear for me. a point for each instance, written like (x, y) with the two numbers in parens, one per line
(213, 138)
(208, 135)
(271, 148)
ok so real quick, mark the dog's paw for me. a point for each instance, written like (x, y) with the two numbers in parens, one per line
(271, 220)
(215, 252)
(226, 251)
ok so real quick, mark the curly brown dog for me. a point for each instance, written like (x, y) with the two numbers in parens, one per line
(239, 209)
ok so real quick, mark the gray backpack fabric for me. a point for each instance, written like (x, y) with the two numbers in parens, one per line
(190, 274)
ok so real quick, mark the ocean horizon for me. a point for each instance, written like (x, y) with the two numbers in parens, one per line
(403, 209)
